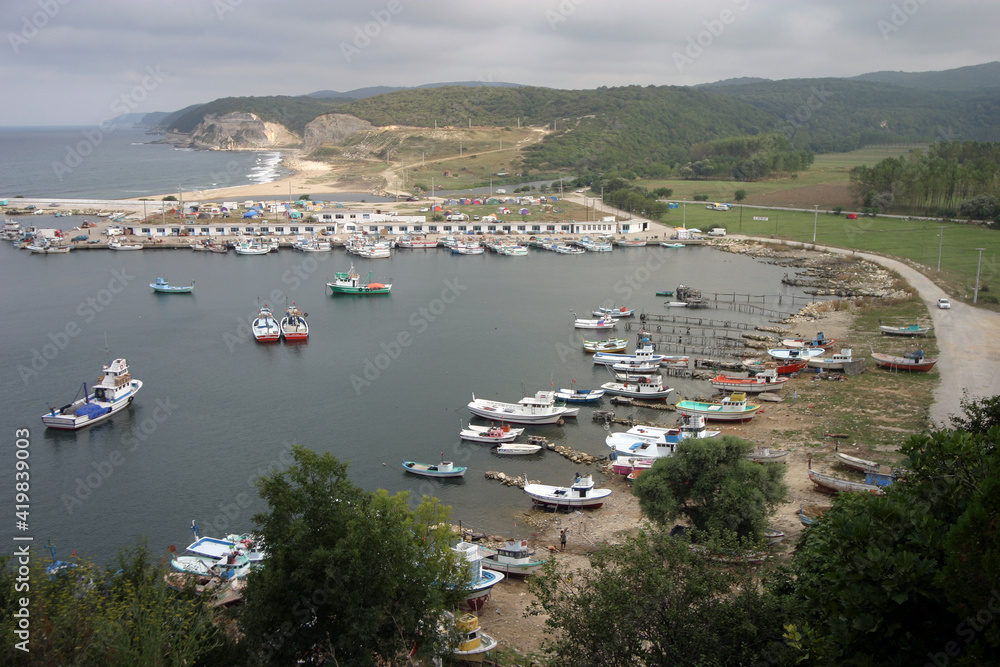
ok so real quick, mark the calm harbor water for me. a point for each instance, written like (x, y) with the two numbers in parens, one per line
(380, 380)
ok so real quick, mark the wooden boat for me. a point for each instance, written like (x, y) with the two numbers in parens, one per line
(538, 409)
(623, 465)
(910, 361)
(515, 557)
(911, 330)
(773, 536)
(443, 469)
(580, 495)
(649, 388)
(517, 449)
(407, 241)
(293, 325)
(766, 380)
(656, 441)
(830, 484)
(731, 408)
(819, 341)
(602, 323)
(114, 392)
(633, 243)
(854, 463)
(784, 368)
(479, 582)
(265, 327)
(767, 455)
(834, 362)
(350, 283)
(805, 519)
(575, 395)
(795, 353)
(610, 345)
(46, 247)
(493, 434)
(614, 312)
(161, 285)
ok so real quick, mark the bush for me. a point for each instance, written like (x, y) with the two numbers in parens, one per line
(701, 197)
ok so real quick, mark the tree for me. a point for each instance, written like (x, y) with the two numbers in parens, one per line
(979, 415)
(651, 601)
(713, 484)
(981, 207)
(740, 195)
(351, 576)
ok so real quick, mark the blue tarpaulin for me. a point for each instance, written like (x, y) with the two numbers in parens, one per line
(91, 410)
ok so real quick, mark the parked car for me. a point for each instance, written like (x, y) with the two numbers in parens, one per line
(852, 216)
(944, 304)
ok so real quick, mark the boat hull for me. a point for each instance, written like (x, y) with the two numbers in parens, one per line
(903, 363)
(830, 484)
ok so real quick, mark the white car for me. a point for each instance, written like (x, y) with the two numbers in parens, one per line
(944, 304)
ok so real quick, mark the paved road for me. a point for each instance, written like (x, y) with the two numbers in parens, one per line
(968, 338)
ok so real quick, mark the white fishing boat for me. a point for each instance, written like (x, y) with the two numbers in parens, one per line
(265, 327)
(538, 409)
(479, 582)
(610, 345)
(835, 362)
(517, 449)
(293, 325)
(564, 249)
(655, 441)
(581, 494)
(602, 323)
(636, 367)
(621, 311)
(443, 469)
(514, 557)
(642, 353)
(492, 434)
(46, 247)
(251, 247)
(115, 244)
(796, 353)
(730, 408)
(113, 392)
(650, 388)
(574, 395)
(408, 241)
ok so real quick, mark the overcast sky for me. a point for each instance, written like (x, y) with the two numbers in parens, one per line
(75, 62)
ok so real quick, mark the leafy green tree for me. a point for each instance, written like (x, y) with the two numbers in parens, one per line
(740, 195)
(651, 601)
(980, 207)
(663, 193)
(910, 577)
(352, 577)
(713, 484)
(979, 415)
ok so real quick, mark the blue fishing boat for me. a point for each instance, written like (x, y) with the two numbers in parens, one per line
(443, 469)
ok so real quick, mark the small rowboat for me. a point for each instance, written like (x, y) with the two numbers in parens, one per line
(831, 484)
(664, 293)
(854, 463)
(610, 345)
(767, 455)
(912, 330)
(517, 449)
(443, 469)
(494, 434)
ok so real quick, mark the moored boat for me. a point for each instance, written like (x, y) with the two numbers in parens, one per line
(293, 325)
(115, 244)
(265, 327)
(494, 434)
(819, 341)
(350, 283)
(601, 323)
(113, 392)
(910, 361)
(443, 469)
(517, 449)
(730, 408)
(614, 312)
(645, 352)
(796, 353)
(581, 494)
(575, 395)
(161, 285)
(783, 368)
(610, 345)
(650, 388)
(538, 409)
(767, 380)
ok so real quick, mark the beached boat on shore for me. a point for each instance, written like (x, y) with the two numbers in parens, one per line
(819, 341)
(479, 582)
(911, 330)
(789, 354)
(855, 463)
(113, 392)
(733, 408)
(514, 557)
(831, 484)
(910, 361)
(766, 380)
(835, 362)
(580, 495)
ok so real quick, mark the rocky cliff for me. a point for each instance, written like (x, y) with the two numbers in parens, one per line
(240, 131)
(332, 128)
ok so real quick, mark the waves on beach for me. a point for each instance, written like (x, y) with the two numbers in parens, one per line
(267, 169)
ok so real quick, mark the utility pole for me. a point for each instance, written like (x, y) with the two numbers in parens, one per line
(940, 245)
(741, 218)
(979, 265)
(815, 220)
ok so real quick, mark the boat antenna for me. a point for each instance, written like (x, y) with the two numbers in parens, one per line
(107, 350)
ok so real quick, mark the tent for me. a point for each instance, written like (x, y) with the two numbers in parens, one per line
(523, 211)
(250, 214)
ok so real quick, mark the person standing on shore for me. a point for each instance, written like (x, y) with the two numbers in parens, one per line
(562, 539)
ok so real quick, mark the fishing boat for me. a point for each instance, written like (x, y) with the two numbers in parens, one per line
(767, 455)
(910, 361)
(514, 557)
(610, 345)
(113, 392)
(602, 323)
(538, 409)
(650, 388)
(664, 244)
(408, 241)
(293, 325)
(645, 352)
(43, 246)
(911, 330)
(265, 327)
(766, 380)
(252, 247)
(115, 244)
(161, 285)
(443, 469)
(733, 408)
(232, 565)
(819, 341)
(636, 367)
(580, 495)
(623, 465)
(350, 283)
(664, 292)
(835, 362)
(830, 484)
(614, 312)
(656, 441)
(517, 449)
(785, 368)
(492, 434)
(479, 582)
(214, 547)
(575, 395)
(630, 243)
(796, 353)
(564, 249)
(474, 644)
(854, 463)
